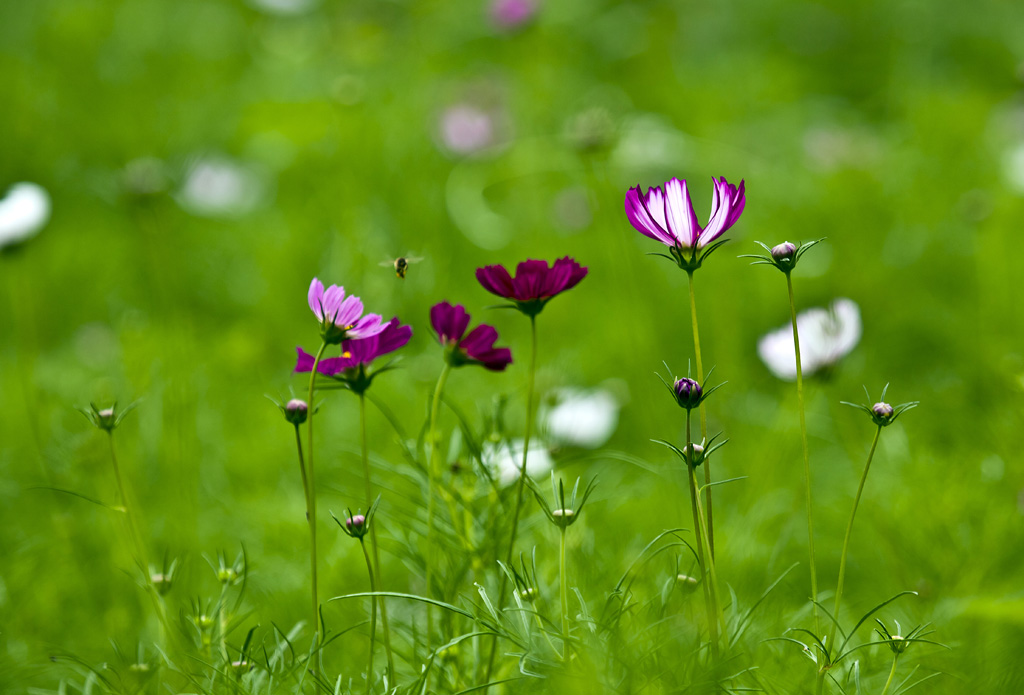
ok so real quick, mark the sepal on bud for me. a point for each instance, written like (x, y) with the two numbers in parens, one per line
(881, 413)
(694, 454)
(562, 514)
(357, 525)
(688, 393)
(524, 580)
(783, 256)
(106, 419)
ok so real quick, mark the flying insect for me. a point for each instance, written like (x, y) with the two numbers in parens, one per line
(400, 264)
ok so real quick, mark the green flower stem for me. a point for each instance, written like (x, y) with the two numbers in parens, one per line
(138, 547)
(703, 415)
(432, 475)
(892, 674)
(311, 506)
(842, 561)
(807, 456)
(373, 616)
(373, 539)
(522, 482)
(702, 561)
(564, 593)
(526, 444)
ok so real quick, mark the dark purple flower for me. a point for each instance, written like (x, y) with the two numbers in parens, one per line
(688, 392)
(666, 214)
(476, 347)
(341, 318)
(534, 284)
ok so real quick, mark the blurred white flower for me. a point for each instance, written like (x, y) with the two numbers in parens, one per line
(23, 212)
(1013, 167)
(220, 187)
(826, 336)
(583, 418)
(504, 460)
(284, 7)
(466, 128)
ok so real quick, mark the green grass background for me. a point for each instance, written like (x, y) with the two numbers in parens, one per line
(887, 127)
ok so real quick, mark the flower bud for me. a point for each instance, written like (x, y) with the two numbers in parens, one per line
(688, 393)
(687, 582)
(161, 582)
(227, 575)
(694, 453)
(784, 251)
(295, 411)
(106, 419)
(898, 645)
(529, 594)
(356, 526)
(203, 622)
(563, 517)
(882, 411)
(241, 667)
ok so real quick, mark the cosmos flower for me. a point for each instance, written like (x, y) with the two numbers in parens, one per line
(535, 284)
(582, 418)
(505, 460)
(352, 367)
(361, 352)
(23, 212)
(666, 215)
(826, 336)
(476, 347)
(341, 318)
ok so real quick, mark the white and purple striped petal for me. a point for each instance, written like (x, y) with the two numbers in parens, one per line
(682, 220)
(641, 216)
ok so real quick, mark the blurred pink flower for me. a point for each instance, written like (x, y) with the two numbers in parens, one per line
(466, 128)
(512, 14)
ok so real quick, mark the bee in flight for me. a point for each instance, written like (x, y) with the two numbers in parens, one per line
(400, 264)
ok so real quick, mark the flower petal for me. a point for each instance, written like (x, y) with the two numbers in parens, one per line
(682, 220)
(367, 326)
(641, 219)
(334, 299)
(316, 297)
(529, 279)
(726, 206)
(449, 322)
(347, 312)
(496, 280)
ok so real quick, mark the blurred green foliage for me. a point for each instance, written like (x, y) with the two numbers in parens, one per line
(895, 129)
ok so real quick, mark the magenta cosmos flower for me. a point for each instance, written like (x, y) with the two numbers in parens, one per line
(341, 318)
(666, 214)
(450, 324)
(357, 355)
(534, 284)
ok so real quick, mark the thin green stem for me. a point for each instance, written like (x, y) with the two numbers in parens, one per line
(373, 616)
(702, 561)
(807, 456)
(373, 536)
(703, 414)
(846, 543)
(522, 481)
(564, 593)
(302, 469)
(432, 475)
(311, 505)
(138, 547)
(892, 674)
